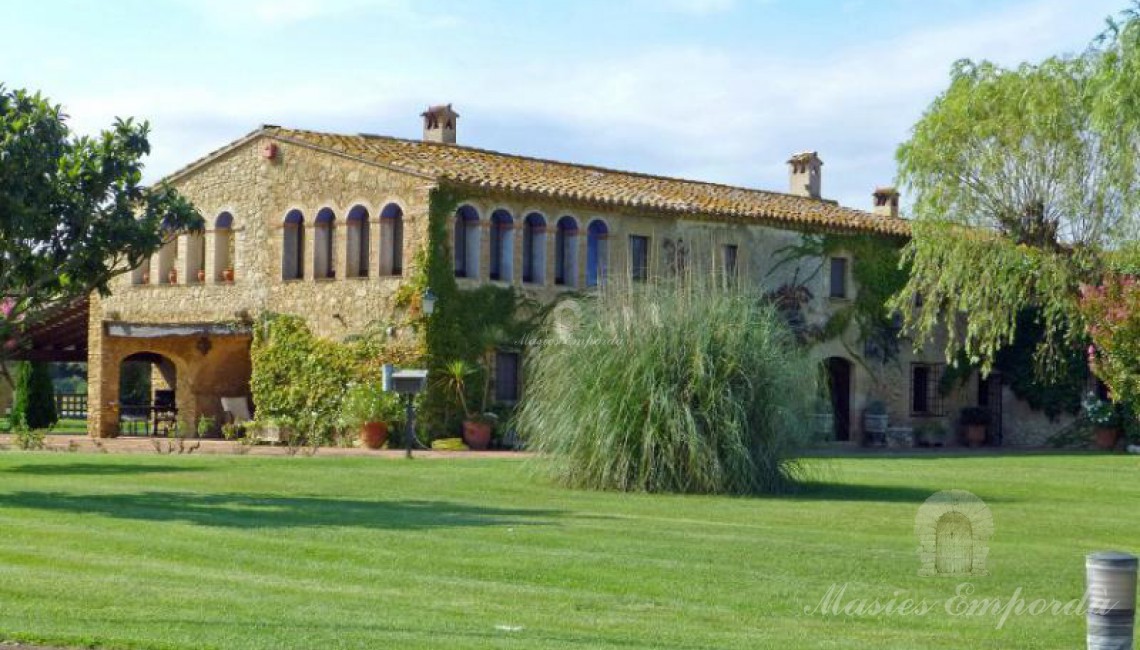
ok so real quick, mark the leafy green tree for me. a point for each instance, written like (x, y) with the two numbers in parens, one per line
(1019, 197)
(73, 211)
(34, 404)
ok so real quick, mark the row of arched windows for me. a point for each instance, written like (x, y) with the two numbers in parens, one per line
(357, 224)
(191, 250)
(466, 247)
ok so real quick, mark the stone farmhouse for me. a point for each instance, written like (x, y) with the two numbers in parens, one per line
(329, 227)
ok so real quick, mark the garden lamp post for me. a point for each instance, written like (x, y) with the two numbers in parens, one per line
(408, 383)
(428, 302)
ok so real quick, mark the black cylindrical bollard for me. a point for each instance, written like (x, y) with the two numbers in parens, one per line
(1111, 577)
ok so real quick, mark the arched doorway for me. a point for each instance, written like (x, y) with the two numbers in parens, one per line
(147, 394)
(839, 384)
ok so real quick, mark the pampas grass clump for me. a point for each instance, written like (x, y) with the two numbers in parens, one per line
(686, 386)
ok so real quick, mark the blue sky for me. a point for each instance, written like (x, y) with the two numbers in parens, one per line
(719, 90)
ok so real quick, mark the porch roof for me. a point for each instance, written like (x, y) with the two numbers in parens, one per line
(60, 337)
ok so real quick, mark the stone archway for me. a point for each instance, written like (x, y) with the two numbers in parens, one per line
(953, 529)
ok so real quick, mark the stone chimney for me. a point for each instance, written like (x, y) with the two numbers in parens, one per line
(439, 124)
(805, 174)
(886, 202)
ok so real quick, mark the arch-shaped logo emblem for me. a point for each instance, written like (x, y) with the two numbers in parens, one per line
(953, 529)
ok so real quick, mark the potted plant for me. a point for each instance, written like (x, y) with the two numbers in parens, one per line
(875, 422)
(201, 276)
(172, 276)
(1102, 415)
(146, 277)
(230, 431)
(371, 408)
(476, 426)
(206, 426)
(974, 420)
(228, 274)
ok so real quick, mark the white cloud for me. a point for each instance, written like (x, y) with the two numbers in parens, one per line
(702, 112)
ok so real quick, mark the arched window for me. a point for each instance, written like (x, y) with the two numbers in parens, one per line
(224, 247)
(566, 252)
(466, 247)
(356, 242)
(502, 246)
(391, 240)
(597, 253)
(324, 262)
(167, 257)
(293, 247)
(534, 249)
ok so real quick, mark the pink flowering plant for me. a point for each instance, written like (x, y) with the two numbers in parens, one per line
(1112, 316)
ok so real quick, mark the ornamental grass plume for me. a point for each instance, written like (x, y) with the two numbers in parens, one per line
(676, 386)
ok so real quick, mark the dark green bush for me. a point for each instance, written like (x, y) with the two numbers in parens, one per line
(673, 387)
(34, 401)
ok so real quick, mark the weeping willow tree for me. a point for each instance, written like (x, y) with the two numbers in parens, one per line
(1025, 187)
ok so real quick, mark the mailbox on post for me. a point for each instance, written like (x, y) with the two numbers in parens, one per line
(407, 383)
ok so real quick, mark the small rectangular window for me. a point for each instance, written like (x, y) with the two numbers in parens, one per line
(838, 277)
(730, 260)
(638, 258)
(506, 376)
(925, 398)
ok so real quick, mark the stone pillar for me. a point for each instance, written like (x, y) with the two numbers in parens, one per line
(309, 259)
(375, 246)
(551, 255)
(517, 234)
(210, 261)
(580, 240)
(484, 270)
(339, 261)
(97, 416)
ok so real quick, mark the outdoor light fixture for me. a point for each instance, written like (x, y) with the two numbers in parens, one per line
(429, 302)
(407, 383)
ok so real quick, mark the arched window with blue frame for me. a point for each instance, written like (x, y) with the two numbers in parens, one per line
(502, 246)
(534, 249)
(324, 261)
(566, 252)
(466, 242)
(597, 253)
(391, 240)
(356, 237)
(293, 246)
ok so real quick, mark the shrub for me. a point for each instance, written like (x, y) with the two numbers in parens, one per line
(682, 386)
(34, 400)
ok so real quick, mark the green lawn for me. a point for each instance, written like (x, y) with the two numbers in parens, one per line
(246, 552)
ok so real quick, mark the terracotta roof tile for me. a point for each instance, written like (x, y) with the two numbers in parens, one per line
(559, 180)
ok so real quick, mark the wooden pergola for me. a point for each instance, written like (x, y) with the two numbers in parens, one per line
(62, 337)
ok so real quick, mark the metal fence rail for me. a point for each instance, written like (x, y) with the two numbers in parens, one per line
(71, 405)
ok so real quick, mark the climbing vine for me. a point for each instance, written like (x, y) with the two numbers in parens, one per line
(467, 324)
(878, 275)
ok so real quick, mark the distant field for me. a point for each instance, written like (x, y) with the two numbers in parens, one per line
(243, 552)
(65, 425)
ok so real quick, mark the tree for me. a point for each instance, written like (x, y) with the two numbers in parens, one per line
(34, 404)
(73, 211)
(1021, 195)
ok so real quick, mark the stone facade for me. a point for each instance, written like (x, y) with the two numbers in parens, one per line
(260, 180)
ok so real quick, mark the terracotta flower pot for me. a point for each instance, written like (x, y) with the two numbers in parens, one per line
(1106, 437)
(477, 435)
(228, 275)
(146, 278)
(975, 434)
(201, 275)
(373, 435)
(172, 276)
